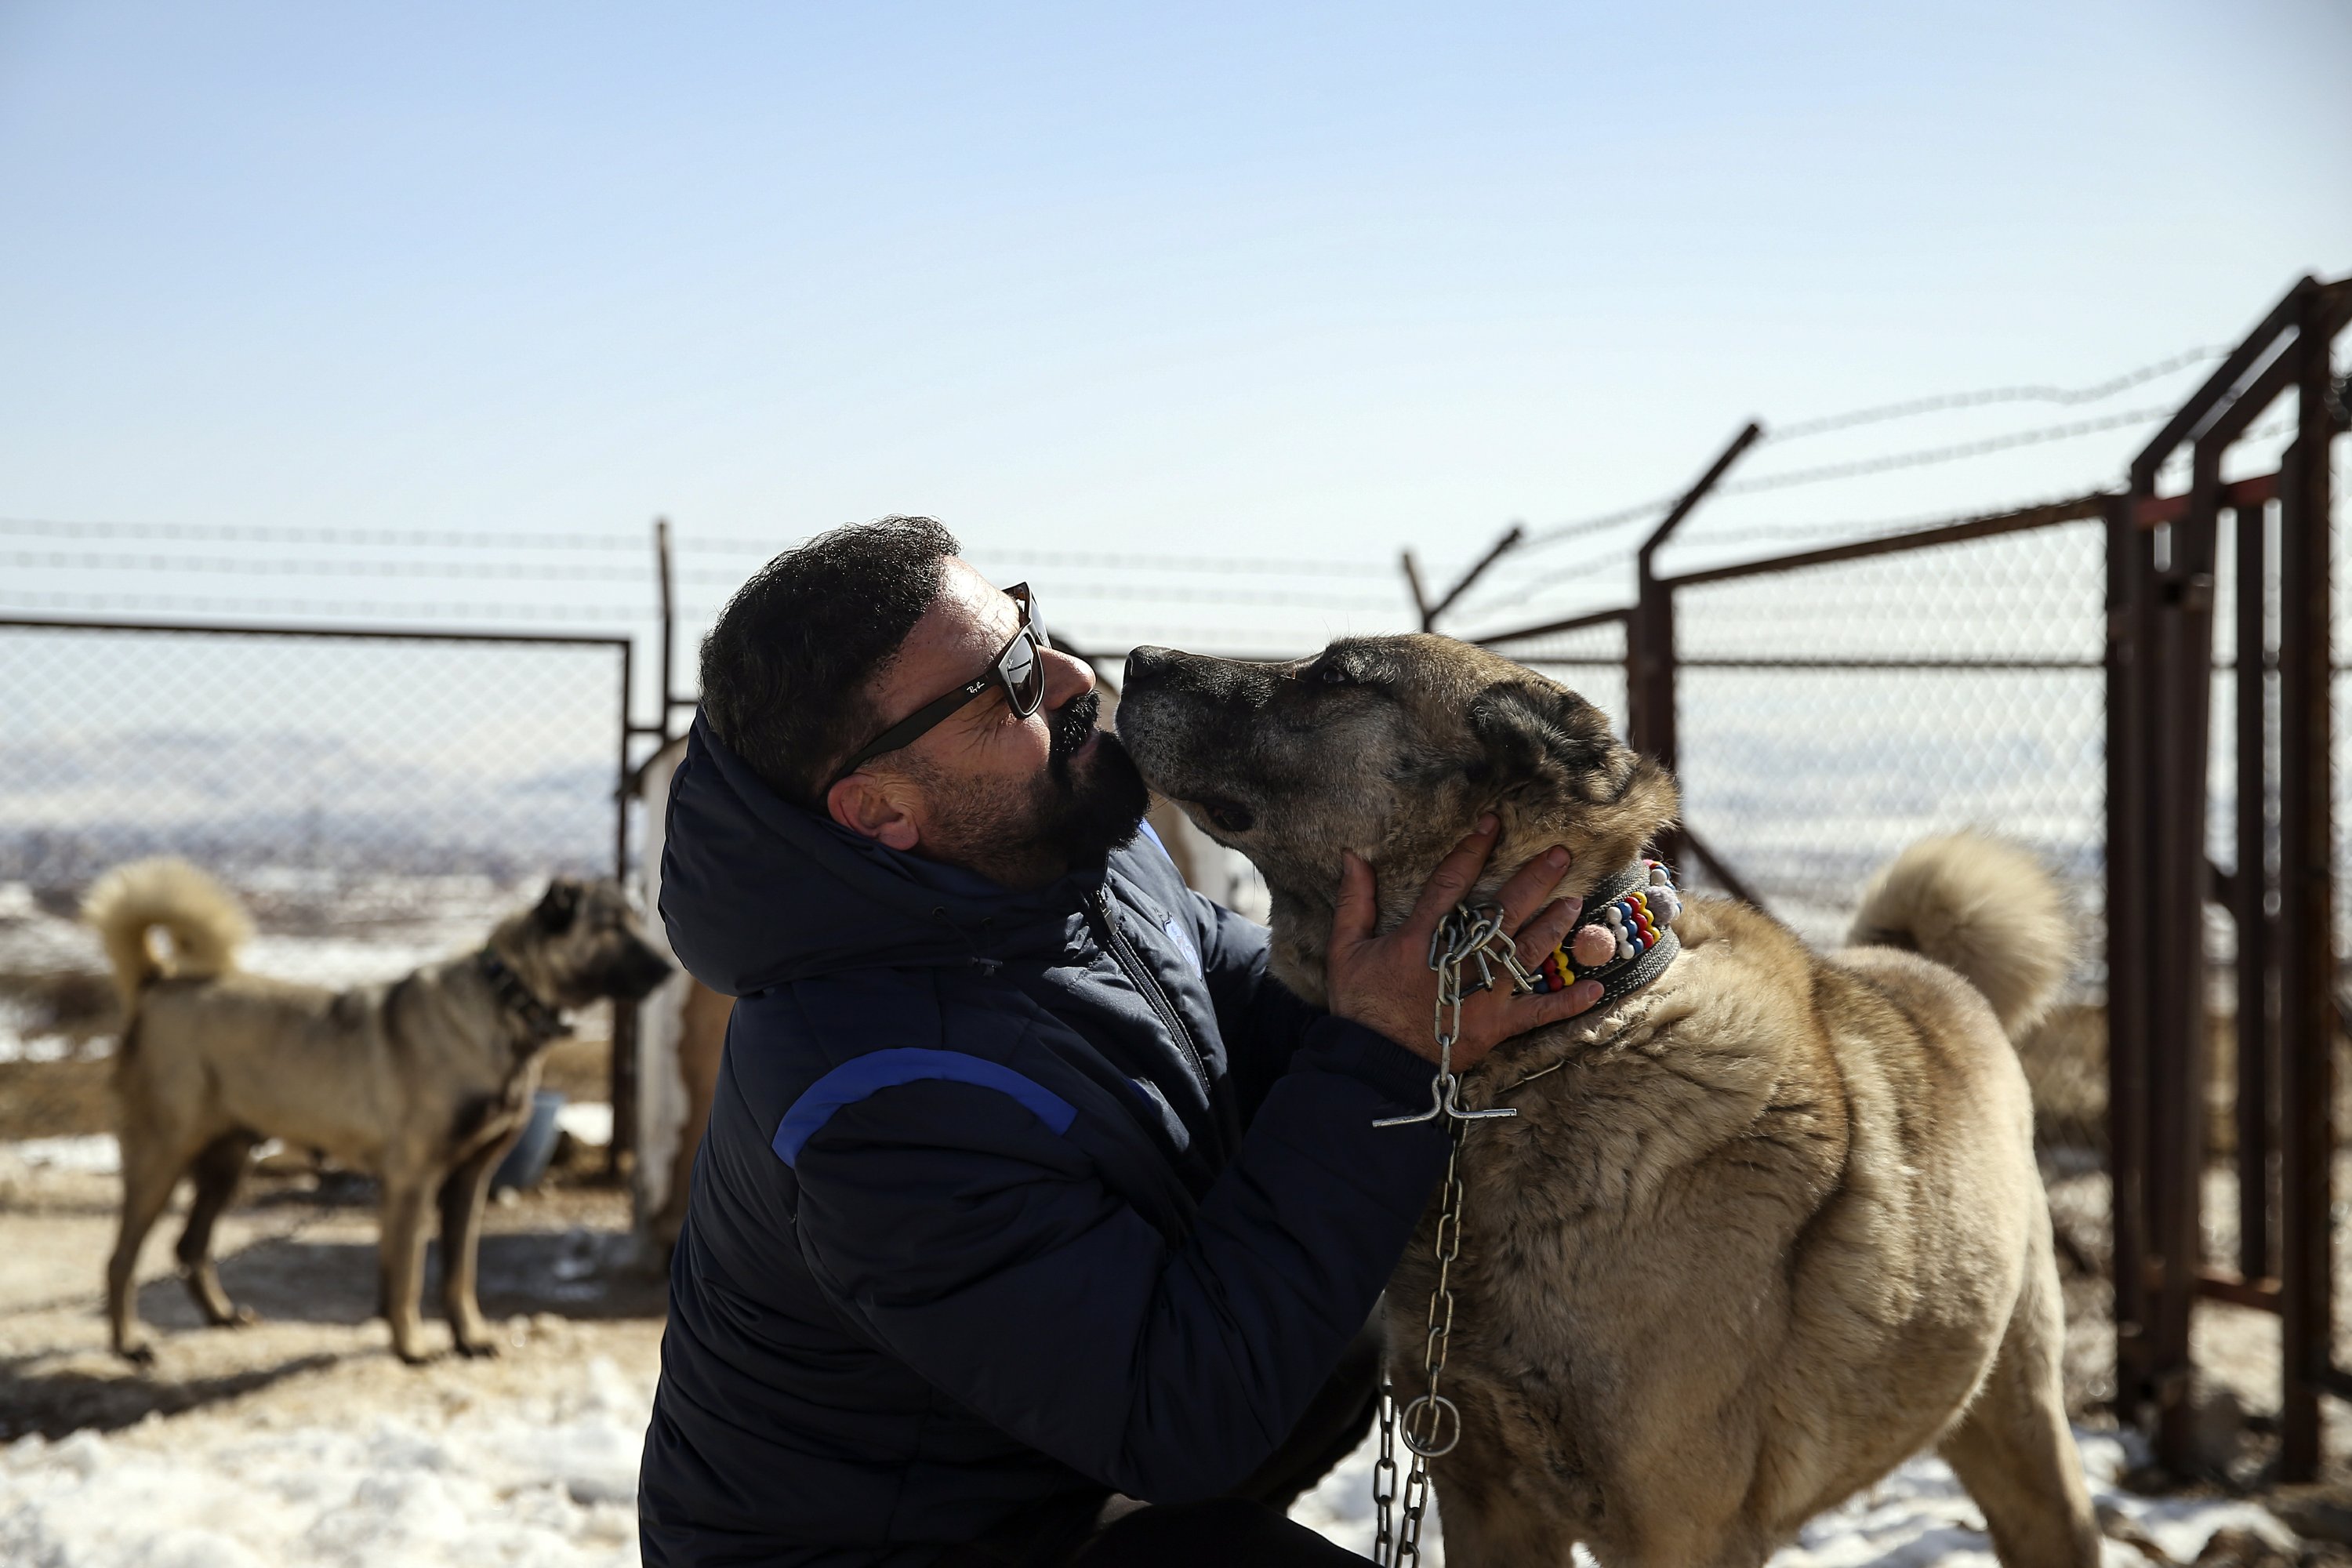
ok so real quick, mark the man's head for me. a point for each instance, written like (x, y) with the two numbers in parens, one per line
(832, 644)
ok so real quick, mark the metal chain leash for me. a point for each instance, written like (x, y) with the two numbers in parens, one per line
(1432, 1424)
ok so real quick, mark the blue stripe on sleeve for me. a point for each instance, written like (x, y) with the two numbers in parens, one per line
(859, 1077)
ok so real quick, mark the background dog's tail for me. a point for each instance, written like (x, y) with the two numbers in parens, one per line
(204, 922)
(1980, 905)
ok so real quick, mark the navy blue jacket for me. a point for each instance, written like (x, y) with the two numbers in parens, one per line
(1005, 1198)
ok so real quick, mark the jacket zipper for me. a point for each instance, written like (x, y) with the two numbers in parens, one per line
(1123, 953)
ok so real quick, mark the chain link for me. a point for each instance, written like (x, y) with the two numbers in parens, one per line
(1432, 1424)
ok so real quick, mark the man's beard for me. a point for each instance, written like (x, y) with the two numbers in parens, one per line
(1025, 835)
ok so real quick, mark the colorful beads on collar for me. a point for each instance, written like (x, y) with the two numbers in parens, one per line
(1616, 934)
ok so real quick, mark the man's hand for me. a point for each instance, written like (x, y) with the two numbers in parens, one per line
(1385, 982)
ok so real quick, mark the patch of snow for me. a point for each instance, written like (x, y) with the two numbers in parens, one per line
(93, 1154)
(23, 1038)
(549, 1479)
(588, 1121)
(1918, 1517)
(546, 1480)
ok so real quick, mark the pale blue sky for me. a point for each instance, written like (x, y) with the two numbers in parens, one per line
(1314, 282)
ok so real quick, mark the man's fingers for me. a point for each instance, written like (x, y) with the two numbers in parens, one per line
(1355, 909)
(1535, 1012)
(1530, 885)
(1453, 879)
(1549, 929)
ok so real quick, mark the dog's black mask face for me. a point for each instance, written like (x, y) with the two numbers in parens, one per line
(594, 945)
(1390, 747)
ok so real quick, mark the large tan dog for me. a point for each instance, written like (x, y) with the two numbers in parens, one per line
(425, 1082)
(1762, 1229)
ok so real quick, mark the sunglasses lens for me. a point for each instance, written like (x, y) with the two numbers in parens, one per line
(1024, 676)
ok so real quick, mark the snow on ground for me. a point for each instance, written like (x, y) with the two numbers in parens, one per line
(1916, 1518)
(540, 1482)
(548, 1481)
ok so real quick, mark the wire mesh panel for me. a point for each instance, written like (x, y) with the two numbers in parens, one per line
(375, 801)
(1830, 715)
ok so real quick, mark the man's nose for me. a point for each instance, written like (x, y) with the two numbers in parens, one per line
(1066, 678)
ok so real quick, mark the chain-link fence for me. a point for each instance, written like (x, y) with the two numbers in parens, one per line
(374, 800)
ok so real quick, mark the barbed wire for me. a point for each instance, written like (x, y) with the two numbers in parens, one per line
(1798, 430)
(371, 538)
(305, 609)
(265, 566)
(1957, 452)
(445, 539)
(1110, 560)
(1940, 402)
(1063, 593)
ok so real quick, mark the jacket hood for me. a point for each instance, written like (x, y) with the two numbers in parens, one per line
(757, 892)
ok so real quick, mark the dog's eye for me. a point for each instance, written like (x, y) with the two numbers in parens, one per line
(1332, 675)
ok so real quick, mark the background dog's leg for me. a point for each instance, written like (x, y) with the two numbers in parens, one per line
(2014, 1451)
(219, 1171)
(400, 1262)
(149, 1175)
(461, 1234)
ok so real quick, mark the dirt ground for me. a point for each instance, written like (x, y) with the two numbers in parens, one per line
(556, 1271)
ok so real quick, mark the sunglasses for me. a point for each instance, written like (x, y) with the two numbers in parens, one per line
(1017, 670)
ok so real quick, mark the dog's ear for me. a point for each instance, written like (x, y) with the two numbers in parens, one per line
(1533, 732)
(560, 908)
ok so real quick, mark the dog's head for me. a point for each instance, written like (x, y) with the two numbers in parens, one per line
(580, 942)
(1390, 747)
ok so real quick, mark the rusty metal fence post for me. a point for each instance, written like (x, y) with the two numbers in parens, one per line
(1650, 632)
(2306, 957)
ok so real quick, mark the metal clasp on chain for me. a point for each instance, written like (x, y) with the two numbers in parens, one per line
(1466, 937)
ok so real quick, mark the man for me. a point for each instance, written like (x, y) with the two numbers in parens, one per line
(1028, 1199)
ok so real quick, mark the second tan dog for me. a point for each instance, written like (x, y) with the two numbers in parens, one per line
(1763, 1228)
(425, 1082)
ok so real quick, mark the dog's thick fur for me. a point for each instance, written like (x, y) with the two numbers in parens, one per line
(1761, 1230)
(425, 1082)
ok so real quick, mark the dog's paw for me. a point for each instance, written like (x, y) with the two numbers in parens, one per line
(240, 1318)
(475, 1347)
(138, 1353)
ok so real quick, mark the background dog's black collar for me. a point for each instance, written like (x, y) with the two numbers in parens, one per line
(543, 1021)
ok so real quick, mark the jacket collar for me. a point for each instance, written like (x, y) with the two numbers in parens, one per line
(758, 892)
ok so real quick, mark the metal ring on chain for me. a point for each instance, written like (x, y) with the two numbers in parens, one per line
(1429, 1448)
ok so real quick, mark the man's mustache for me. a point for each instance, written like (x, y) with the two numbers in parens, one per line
(1071, 724)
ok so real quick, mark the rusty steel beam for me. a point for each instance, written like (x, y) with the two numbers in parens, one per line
(2177, 1034)
(1554, 628)
(2081, 509)
(1511, 540)
(2257, 1040)
(2155, 511)
(2130, 567)
(1650, 631)
(2306, 900)
(2216, 387)
(1414, 584)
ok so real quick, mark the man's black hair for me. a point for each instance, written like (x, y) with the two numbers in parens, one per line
(785, 669)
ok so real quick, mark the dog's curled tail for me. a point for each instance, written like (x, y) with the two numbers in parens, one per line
(1982, 906)
(205, 924)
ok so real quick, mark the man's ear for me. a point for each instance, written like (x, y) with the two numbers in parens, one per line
(870, 808)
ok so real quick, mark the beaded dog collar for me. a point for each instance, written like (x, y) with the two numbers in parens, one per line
(1627, 938)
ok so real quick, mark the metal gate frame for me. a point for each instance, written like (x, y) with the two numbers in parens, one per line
(2159, 665)
(622, 1079)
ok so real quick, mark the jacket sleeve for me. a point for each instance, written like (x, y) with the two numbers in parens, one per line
(985, 1250)
(1261, 1020)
